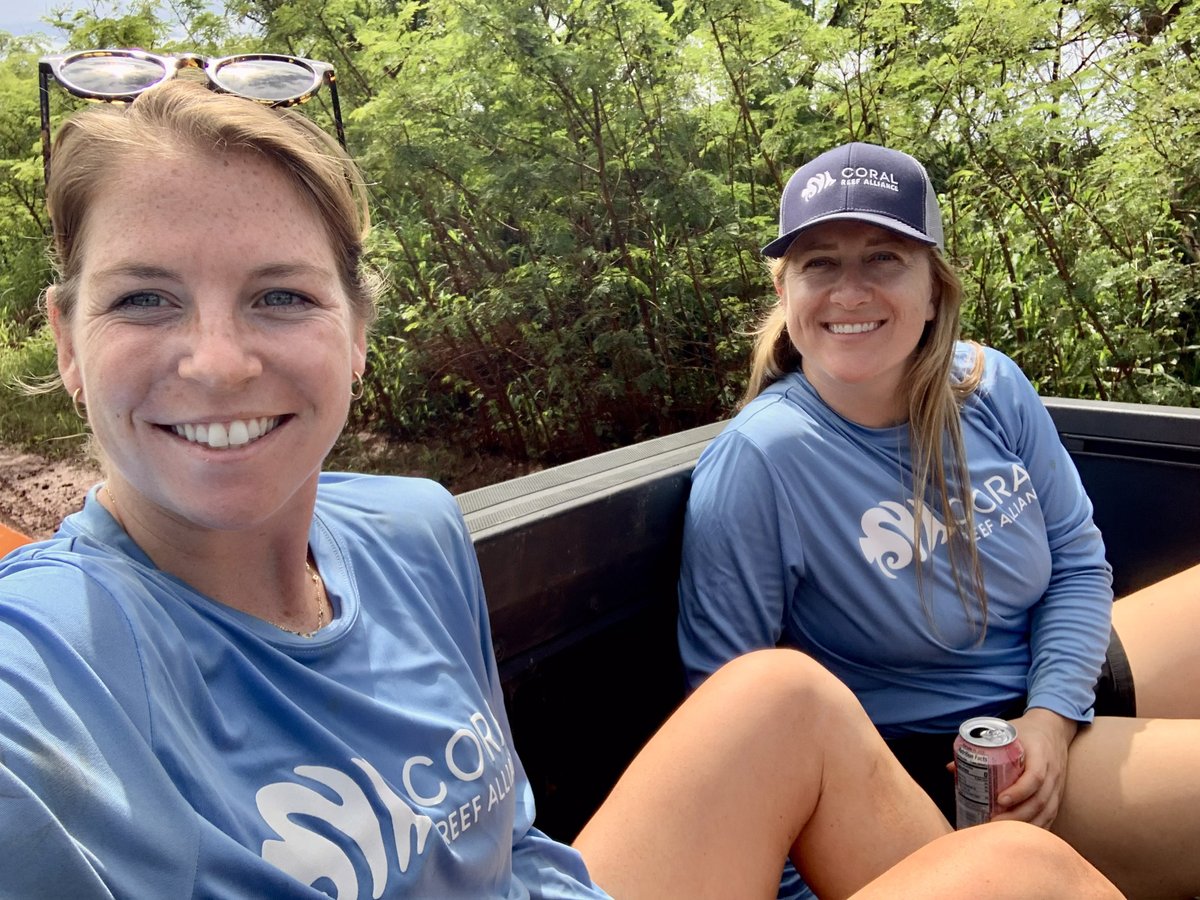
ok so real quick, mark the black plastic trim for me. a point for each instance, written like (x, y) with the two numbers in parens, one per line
(579, 563)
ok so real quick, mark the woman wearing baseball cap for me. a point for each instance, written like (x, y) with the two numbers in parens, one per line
(234, 675)
(897, 504)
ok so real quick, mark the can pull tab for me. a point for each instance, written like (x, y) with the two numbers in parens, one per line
(982, 732)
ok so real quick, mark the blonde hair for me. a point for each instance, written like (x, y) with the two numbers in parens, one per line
(181, 117)
(939, 458)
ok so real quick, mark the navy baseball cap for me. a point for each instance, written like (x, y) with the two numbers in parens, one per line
(862, 183)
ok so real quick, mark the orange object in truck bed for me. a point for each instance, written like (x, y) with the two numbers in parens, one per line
(10, 540)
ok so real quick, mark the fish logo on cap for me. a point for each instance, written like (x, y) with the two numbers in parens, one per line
(816, 184)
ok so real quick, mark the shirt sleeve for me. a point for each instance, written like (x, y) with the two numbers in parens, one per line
(87, 811)
(1071, 623)
(736, 575)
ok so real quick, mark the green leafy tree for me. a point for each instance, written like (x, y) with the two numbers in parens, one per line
(569, 196)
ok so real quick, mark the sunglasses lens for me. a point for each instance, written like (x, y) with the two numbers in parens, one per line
(269, 80)
(111, 76)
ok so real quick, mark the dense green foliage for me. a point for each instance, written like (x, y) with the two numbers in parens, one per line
(569, 194)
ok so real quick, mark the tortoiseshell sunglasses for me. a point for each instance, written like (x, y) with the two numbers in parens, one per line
(120, 75)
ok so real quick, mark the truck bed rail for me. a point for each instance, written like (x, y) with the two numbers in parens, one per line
(580, 562)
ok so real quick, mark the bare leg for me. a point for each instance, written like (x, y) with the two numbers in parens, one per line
(1000, 861)
(771, 756)
(1131, 804)
(1158, 626)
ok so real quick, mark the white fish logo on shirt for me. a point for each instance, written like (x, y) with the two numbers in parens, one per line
(887, 540)
(308, 856)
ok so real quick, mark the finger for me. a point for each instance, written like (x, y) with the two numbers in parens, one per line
(1031, 810)
(1041, 809)
(1020, 790)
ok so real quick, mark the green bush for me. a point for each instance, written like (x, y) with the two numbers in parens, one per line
(44, 421)
(569, 198)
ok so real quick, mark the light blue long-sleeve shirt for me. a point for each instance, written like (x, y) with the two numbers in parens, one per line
(799, 530)
(155, 743)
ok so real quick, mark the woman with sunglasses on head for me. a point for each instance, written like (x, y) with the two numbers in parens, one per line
(899, 506)
(233, 675)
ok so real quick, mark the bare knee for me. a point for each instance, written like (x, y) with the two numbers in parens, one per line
(787, 669)
(786, 681)
(1052, 867)
(1009, 841)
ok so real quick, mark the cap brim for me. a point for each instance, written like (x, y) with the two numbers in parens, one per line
(779, 246)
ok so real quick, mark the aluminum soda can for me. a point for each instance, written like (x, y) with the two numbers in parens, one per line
(988, 758)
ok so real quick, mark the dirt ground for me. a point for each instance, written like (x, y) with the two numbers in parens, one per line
(36, 493)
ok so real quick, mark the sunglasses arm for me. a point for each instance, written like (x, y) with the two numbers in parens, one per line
(44, 100)
(337, 112)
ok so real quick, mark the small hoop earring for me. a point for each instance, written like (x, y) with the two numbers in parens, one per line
(357, 386)
(80, 407)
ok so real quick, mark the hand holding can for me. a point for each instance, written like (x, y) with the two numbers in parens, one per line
(988, 758)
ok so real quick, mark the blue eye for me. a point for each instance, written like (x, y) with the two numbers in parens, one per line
(141, 300)
(283, 298)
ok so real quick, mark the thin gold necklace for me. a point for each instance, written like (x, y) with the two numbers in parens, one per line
(116, 508)
(312, 575)
(316, 580)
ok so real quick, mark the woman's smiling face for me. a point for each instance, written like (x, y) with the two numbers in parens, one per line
(857, 299)
(212, 339)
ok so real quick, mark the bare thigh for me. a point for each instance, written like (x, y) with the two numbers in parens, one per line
(1159, 627)
(1131, 805)
(771, 756)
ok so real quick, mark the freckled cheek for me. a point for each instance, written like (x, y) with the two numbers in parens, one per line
(111, 406)
(116, 385)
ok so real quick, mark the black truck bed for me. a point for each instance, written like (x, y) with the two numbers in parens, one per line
(579, 563)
